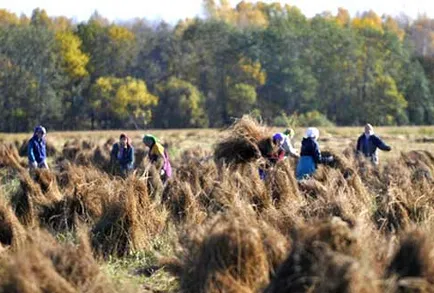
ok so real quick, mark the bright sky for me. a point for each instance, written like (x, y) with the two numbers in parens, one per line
(173, 10)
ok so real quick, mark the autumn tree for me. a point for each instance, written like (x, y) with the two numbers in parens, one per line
(116, 100)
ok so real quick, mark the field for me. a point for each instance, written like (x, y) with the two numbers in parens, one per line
(216, 226)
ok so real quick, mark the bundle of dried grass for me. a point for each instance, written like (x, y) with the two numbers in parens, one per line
(182, 203)
(9, 157)
(129, 220)
(282, 183)
(12, 233)
(246, 140)
(320, 261)
(43, 265)
(231, 252)
(411, 268)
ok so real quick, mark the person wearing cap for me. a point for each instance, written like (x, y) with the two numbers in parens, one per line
(368, 143)
(287, 144)
(158, 156)
(37, 149)
(310, 155)
(122, 154)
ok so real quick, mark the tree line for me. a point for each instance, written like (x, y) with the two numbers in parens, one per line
(268, 60)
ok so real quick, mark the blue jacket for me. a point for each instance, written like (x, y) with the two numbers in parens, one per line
(37, 150)
(126, 161)
(368, 146)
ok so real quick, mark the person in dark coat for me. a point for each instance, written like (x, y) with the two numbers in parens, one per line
(368, 143)
(122, 154)
(310, 155)
(37, 149)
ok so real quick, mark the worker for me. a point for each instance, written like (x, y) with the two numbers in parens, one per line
(122, 155)
(368, 143)
(310, 155)
(287, 143)
(273, 154)
(158, 156)
(37, 149)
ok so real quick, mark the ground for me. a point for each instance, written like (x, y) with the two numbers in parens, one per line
(128, 271)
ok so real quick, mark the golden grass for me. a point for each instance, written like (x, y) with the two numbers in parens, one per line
(353, 228)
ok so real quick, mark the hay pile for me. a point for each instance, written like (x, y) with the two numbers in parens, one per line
(9, 157)
(12, 233)
(246, 141)
(43, 265)
(230, 253)
(129, 220)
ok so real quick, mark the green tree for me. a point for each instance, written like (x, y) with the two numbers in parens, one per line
(181, 105)
(32, 79)
(419, 96)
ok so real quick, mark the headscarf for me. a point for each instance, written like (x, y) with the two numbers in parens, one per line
(150, 138)
(312, 132)
(40, 128)
(278, 137)
(129, 143)
(289, 132)
(369, 129)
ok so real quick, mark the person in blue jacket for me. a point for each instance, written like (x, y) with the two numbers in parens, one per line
(310, 155)
(368, 143)
(122, 154)
(37, 149)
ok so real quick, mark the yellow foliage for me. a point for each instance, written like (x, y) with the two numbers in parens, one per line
(343, 18)
(369, 21)
(133, 94)
(74, 60)
(61, 23)
(123, 97)
(391, 25)
(248, 14)
(245, 14)
(120, 34)
(252, 71)
(8, 18)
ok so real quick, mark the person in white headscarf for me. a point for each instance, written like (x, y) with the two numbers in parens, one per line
(310, 155)
(368, 143)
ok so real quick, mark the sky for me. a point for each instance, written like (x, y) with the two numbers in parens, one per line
(173, 10)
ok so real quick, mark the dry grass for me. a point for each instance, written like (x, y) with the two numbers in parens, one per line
(354, 227)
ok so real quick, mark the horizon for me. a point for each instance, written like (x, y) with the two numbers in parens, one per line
(81, 11)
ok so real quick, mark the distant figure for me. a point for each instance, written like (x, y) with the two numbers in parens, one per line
(368, 143)
(122, 154)
(158, 156)
(287, 143)
(310, 155)
(37, 149)
(273, 154)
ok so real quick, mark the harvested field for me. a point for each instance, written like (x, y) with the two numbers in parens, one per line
(216, 226)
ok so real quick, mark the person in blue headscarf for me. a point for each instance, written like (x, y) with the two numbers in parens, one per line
(37, 149)
(272, 154)
(310, 155)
